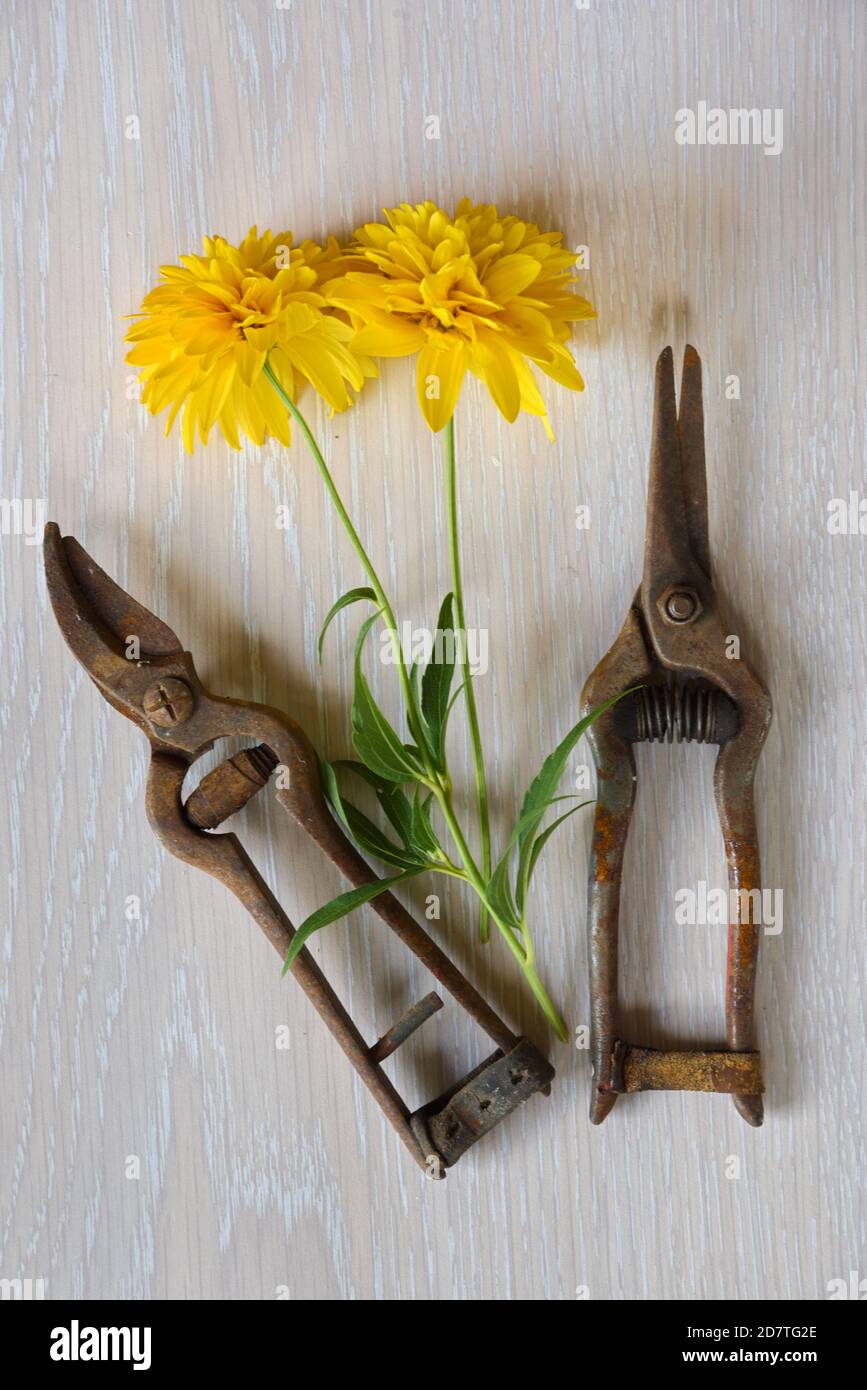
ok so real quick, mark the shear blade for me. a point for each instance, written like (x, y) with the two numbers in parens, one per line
(104, 609)
(690, 432)
(676, 538)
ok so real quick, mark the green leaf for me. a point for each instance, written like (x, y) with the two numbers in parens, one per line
(411, 820)
(541, 840)
(394, 802)
(499, 891)
(376, 842)
(415, 692)
(542, 791)
(423, 835)
(339, 907)
(427, 736)
(413, 683)
(363, 830)
(352, 596)
(396, 805)
(352, 765)
(540, 794)
(437, 679)
(376, 742)
(450, 706)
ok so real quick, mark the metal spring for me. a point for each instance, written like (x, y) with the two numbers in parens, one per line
(687, 712)
(263, 760)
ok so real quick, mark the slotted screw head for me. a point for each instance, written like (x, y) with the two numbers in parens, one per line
(168, 702)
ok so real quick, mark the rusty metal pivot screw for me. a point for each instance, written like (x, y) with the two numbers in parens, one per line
(679, 604)
(168, 702)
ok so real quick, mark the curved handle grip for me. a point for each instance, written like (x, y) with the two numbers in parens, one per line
(301, 795)
(223, 856)
(616, 796)
(733, 790)
(628, 664)
(625, 665)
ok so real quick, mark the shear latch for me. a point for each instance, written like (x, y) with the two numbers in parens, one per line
(450, 1125)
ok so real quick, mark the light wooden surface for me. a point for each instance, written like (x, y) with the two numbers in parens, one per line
(264, 1169)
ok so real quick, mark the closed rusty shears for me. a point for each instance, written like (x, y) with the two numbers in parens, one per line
(671, 666)
(161, 693)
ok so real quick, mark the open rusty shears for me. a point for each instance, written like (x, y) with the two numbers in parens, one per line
(678, 678)
(161, 693)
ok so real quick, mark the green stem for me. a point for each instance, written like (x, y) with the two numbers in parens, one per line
(366, 562)
(545, 1003)
(523, 953)
(460, 620)
(471, 874)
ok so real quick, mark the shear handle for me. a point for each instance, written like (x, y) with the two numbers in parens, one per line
(223, 856)
(160, 691)
(302, 797)
(617, 1066)
(625, 666)
(733, 791)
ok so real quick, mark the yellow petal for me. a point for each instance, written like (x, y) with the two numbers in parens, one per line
(531, 397)
(171, 383)
(262, 339)
(188, 427)
(250, 418)
(439, 376)
(209, 336)
(213, 392)
(314, 360)
(562, 369)
(146, 353)
(248, 360)
(282, 369)
(172, 415)
(228, 420)
(297, 318)
(272, 409)
(510, 275)
(388, 336)
(346, 362)
(570, 308)
(496, 363)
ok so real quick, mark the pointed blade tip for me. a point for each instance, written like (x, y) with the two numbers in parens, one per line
(71, 572)
(691, 360)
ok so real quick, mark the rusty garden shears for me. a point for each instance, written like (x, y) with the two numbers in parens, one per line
(672, 668)
(161, 693)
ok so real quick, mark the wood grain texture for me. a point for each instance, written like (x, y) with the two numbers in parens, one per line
(263, 1168)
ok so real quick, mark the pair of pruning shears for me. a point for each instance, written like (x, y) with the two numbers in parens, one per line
(159, 690)
(678, 676)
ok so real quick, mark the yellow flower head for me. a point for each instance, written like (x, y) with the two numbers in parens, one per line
(203, 334)
(475, 291)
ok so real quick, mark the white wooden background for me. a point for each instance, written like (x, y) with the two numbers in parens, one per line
(260, 1168)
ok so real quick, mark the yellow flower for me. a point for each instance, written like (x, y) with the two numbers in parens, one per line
(474, 291)
(203, 335)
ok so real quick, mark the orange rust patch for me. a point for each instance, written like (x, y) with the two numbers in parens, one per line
(605, 840)
(647, 1069)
